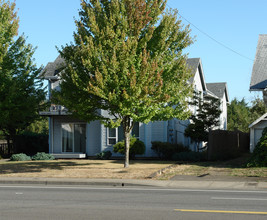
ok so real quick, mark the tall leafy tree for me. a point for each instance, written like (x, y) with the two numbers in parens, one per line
(20, 91)
(126, 64)
(238, 115)
(258, 108)
(207, 117)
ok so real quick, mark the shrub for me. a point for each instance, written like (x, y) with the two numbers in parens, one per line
(137, 147)
(43, 156)
(166, 150)
(20, 157)
(31, 143)
(104, 155)
(190, 156)
(259, 155)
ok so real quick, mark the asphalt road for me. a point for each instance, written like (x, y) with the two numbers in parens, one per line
(41, 202)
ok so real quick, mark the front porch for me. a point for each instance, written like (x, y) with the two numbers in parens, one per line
(69, 156)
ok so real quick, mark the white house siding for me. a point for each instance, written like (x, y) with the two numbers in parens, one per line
(159, 131)
(55, 140)
(223, 117)
(92, 135)
(93, 138)
(256, 133)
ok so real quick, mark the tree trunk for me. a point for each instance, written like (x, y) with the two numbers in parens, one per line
(127, 148)
(127, 127)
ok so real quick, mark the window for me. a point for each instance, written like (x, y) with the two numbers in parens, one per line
(116, 134)
(73, 137)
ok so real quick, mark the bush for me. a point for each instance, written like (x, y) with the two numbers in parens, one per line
(31, 143)
(259, 155)
(190, 156)
(104, 155)
(137, 147)
(43, 156)
(20, 157)
(166, 150)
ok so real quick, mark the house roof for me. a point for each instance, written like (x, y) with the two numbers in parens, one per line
(262, 118)
(52, 68)
(218, 89)
(259, 72)
(195, 64)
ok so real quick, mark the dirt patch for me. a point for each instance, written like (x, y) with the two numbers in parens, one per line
(82, 169)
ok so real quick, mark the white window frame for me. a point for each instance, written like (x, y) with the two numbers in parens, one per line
(117, 135)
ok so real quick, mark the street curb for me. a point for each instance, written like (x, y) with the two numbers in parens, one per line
(180, 184)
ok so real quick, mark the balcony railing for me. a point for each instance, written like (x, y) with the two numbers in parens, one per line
(55, 110)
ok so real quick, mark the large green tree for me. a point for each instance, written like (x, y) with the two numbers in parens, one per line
(20, 91)
(127, 61)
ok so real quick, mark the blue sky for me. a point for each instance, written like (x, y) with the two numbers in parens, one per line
(234, 23)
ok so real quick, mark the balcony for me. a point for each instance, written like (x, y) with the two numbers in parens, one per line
(54, 110)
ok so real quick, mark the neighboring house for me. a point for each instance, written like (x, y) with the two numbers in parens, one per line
(259, 83)
(73, 138)
(258, 80)
(256, 129)
(176, 127)
(220, 90)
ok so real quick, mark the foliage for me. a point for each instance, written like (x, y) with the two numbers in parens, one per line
(137, 147)
(43, 156)
(104, 155)
(39, 126)
(166, 150)
(241, 115)
(20, 157)
(207, 117)
(190, 156)
(21, 91)
(238, 115)
(259, 155)
(31, 143)
(127, 61)
(258, 108)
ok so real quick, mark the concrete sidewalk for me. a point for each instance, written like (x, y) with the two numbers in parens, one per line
(189, 182)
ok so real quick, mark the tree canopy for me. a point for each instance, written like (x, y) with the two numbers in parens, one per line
(126, 60)
(21, 93)
(241, 114)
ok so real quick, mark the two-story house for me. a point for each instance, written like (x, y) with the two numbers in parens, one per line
(73, 138)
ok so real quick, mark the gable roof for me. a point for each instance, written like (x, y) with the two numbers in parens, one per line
(218, 89)
(259, 72)
(51, 69)
(262, 118)
(195, 64)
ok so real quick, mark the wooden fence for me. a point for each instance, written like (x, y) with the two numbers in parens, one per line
(4, 149)
(227, 144)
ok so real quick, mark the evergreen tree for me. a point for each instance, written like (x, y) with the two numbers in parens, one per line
(20, 91)
(207, 117)
(238, 115)
(127, 60)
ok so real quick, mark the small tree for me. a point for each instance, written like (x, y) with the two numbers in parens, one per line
(207, 117)
(126, 60)
(20, 91)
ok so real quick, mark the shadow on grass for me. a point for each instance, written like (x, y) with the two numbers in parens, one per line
(37, 166)
(239, 162)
